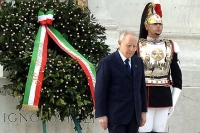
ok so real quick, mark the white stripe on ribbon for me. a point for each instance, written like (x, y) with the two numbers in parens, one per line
(71, 52)
(42, 17)
(37, 67)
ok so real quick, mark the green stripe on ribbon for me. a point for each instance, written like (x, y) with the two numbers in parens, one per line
(46, 22)
(56, 36)
(64, 41)
(32, 66)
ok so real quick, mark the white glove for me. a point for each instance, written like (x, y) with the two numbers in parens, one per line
(175, 95)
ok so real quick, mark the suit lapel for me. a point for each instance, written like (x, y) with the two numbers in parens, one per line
(134, 66)
(120, 64)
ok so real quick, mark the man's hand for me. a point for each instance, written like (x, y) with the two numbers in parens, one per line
(143, 119)
(103, 121)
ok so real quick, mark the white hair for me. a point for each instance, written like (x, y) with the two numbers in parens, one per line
(124, 33)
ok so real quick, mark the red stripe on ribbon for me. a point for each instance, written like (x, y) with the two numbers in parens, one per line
(79, 61)
(49, 22)
(43, 22)
(41, 72)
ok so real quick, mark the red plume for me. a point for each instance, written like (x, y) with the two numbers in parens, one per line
(158, 9)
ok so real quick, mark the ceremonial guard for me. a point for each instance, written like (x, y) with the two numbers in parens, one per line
(161, 66)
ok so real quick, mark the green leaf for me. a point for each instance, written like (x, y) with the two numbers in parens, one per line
(60, 102)
(52, 99)
(61, 80)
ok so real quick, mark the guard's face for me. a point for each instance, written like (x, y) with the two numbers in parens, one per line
(128, 45)
(156, 28)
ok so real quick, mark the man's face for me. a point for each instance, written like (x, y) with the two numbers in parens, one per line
(156, 28)
(128, 45)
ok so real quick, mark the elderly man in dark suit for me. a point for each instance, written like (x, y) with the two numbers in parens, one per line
(120, 90)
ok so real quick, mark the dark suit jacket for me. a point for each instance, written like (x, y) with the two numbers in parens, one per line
(119, 94)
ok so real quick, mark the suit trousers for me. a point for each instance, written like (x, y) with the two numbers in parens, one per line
(156, 120)
(131, 127)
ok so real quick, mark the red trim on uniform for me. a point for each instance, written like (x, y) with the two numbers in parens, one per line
(138, 49)
(148, 97)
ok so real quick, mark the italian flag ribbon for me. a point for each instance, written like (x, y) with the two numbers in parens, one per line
(39, 59)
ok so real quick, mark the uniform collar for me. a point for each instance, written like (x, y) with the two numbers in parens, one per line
(157, 40)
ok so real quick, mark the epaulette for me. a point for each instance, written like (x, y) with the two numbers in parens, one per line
(142, 40)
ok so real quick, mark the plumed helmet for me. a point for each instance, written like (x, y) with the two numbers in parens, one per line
(152, 14)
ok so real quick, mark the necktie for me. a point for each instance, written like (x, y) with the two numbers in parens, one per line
(127, 65)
